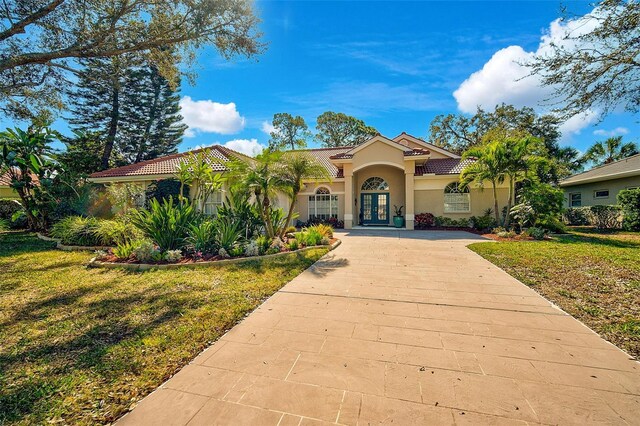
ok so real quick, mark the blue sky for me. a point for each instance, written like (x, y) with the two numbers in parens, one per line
(395, 65)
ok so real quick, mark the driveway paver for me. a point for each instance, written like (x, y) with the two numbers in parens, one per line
(402, 328)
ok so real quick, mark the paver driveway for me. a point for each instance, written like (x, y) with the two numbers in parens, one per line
(402, 328)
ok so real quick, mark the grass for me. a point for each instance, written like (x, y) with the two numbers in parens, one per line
(81, 346)
(591, 275)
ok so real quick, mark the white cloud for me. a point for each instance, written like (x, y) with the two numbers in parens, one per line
(249, 147)
(618, 131)
(267, 127)
(210, 117)
(504, 79)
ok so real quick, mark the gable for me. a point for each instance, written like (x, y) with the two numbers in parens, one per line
(378, 152)
(416, 143)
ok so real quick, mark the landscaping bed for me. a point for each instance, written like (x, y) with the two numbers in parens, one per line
(82, 346)
(593, 276)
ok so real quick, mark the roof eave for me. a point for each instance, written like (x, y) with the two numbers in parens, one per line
(611, 176)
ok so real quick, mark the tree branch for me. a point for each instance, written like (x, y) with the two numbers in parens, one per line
(18, 27)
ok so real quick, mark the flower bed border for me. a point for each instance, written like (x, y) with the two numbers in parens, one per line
(61, 246)
(94, 263)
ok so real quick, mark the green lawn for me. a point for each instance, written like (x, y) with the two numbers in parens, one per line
(82, 345)
(593, 276)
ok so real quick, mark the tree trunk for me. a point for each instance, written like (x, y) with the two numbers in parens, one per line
(495, 202)
(152, 117)
(509, 203)
(289, 216)
(113, 127)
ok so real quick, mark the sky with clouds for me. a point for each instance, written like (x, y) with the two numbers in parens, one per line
(395, 65)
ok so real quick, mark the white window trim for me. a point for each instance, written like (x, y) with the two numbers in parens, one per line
(595, 192)
(312, 208)
(465, 196)
(212, 204)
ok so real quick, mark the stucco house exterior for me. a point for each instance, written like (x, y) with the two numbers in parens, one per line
(366, 182)
(601, 185)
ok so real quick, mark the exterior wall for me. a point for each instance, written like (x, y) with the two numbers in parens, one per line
(378, 153)
(395, 179)
(587, 190)
(302, 204)
(429, 197)
(7, 192)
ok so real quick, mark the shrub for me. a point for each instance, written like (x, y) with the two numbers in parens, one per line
(322, 229)
(577, 216)
(629, 200)
(163, 189)
(325, 241)
(201, 237)
(173, 256)
(236, 251)
(77, 231)
(8, 208)
(506, 234)
(536, 233)
(145, 251)
(4, 225)
(263, 243)
(606, 217)
(424, 220)
(114, 232)
(482, 222)
(226, 233)
(309, 237)
(293, 245)
(238, 208)
(552, 224)
(124, 250)
(223, 253)
(19, 220)
(166, 224)
(251, 249)
(448, 222)
(273, 250)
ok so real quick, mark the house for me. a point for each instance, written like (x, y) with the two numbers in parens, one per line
(367, 181)
(6, 192)
(600, 185)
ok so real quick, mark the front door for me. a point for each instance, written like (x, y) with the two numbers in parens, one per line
(374, 208)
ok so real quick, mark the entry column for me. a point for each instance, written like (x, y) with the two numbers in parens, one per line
(348, 196)
(409, 171)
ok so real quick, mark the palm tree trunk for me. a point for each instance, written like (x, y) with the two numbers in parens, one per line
(495, 202)
(289, 216)
(509, 202)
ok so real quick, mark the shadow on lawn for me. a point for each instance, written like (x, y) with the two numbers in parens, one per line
(14, 243)
(599, 239)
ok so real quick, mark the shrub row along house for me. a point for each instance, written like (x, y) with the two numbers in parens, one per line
(600, 186)
(367, 181)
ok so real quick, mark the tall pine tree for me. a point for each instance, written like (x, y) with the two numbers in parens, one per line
(133, 110)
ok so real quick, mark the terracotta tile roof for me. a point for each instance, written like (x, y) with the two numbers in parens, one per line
(324, 155)
(417, 151)
(169, 163)
(443, 166)
(629, 166)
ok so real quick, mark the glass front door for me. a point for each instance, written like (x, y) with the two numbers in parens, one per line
(374, 208)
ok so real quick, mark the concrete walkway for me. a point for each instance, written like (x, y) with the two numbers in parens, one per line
(402, 328)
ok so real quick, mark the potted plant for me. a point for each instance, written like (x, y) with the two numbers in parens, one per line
(398, 219)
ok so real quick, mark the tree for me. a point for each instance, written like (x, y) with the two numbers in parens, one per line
(610, 150)
(595, 66)
(337, 129)
(26, 157)
(297, 167)
(197, 172)
(459, 133)
(41, 40)
(79, 157)
(289, 131)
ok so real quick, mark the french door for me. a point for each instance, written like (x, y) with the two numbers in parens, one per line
(375, 208)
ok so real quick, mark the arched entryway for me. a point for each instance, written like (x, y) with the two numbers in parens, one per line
(378, 188)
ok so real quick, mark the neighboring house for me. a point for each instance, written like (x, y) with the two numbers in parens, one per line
(6, 192)
(600, 185)
(367, 181)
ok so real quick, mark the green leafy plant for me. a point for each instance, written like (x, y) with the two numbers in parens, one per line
(629, 200)
(165, 188)
(236, 251)
(145, 251)
(484, 222)
(124, 250)
(4, 225)
(227, 234)
(293, 245)
(251, 249)
(606, 217)
(167, 224)
(263, 243)
(114, 232)
(77, 231)
(577, 216)
(202, 236)
(173, 256)
(322, 229)
(238, 208)
(536, 233)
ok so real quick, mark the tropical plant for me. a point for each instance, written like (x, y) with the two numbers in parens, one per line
(196, 170)
(165, 188)
(201, 237)
(4, 225)
(293, 245)
(523, 214)
(606, 217)
(546, 202)
(26, 157)
(227, 234)
(629, 200)
(576, 216)
(297, 167)
(322, 229)
(77, 231)
(424, 220)
(146, 251)
(124, 250)
(537, 233)
(237, 207)
(167, 223)
(397, 210)
(610, 150)
(114, 232)
(263, 242)
(173, 256)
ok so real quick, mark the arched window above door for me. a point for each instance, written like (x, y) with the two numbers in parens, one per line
(375, 184)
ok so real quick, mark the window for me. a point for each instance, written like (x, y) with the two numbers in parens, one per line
(375, 184)
(575, 199)
(456, 199)
(601, 193)
(213, 202)
(323, 205)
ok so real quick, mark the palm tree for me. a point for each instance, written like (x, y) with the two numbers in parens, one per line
(489, 165)
(259, 177)
(610, 150)
(296, 168)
